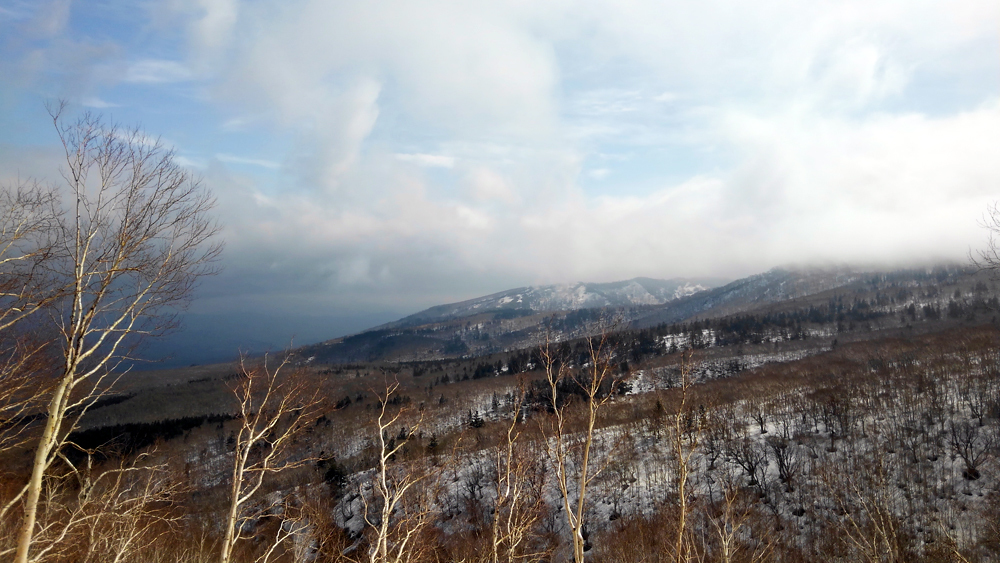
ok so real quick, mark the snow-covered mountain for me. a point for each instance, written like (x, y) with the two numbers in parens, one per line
(519, 318)
(774, 286)
(567, 297)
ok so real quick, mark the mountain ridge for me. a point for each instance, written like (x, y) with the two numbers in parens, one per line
(563, 297)
(521, 317)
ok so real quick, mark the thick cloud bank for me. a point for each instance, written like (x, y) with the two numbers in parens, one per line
(392, 155)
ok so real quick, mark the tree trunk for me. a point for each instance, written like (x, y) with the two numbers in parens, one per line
(48, 440)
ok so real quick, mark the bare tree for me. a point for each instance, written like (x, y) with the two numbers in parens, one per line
(24, 367)
(518, 500)
(394, 511)
(274, 411)
(971, 443)
(989, 259)
(137, 240)
(869, 506)
(786, 458)
(570, 450)
(129, 510)
(30, 221)
(29, 229)
(731, 518)
(328, 542)
(109, 515)
(684, 434)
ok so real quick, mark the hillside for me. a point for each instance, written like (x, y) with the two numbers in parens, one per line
(773, 286)
(520, 318)
(741, 325)
(773, 385)
(565, 297)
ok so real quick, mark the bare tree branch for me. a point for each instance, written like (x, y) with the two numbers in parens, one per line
(275, 409)
(136, 240)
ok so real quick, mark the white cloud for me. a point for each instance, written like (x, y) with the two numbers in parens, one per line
(96, 103)
(486, 184)
(430, 160)
(355, 271)
(860, 72)
(188, 162)
(740, 135)
(814, 189)
(608, 102)
(473, 218)
(236, 124)
(50, 18)
(157, 71)
(231, 159)
(453, 66)
(213, 30)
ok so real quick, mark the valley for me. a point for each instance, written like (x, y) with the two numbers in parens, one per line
(756, 398)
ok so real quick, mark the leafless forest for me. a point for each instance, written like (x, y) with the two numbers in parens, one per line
(878, 449)
(861, 423)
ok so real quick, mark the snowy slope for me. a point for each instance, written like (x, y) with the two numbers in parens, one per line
(567, 297)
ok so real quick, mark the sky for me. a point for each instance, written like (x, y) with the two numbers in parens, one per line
(371, 159)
